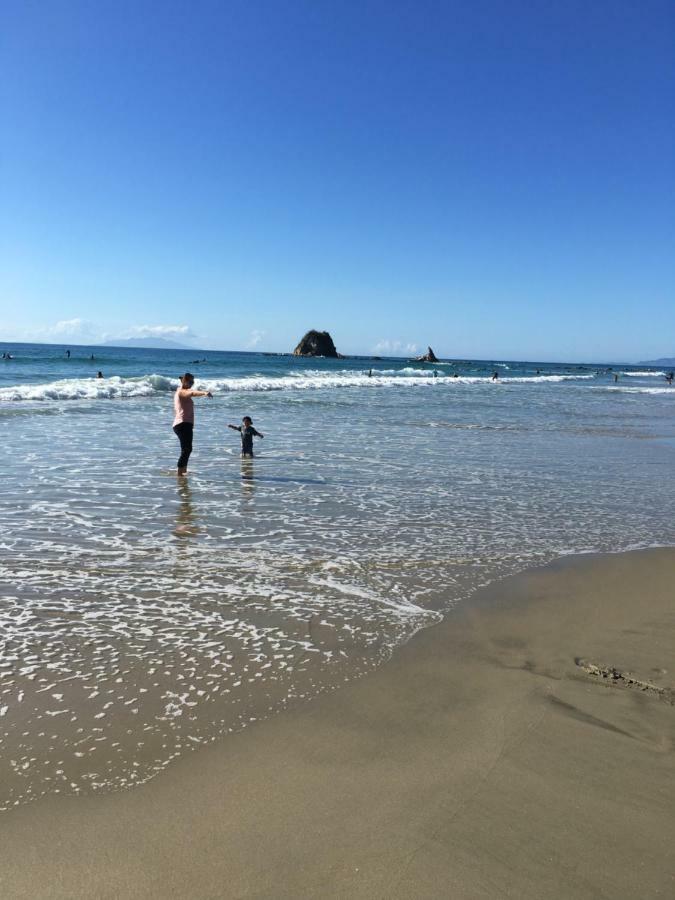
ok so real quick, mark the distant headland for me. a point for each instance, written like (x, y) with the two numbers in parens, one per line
(664, 361)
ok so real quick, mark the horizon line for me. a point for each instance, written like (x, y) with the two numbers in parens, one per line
(371, 356)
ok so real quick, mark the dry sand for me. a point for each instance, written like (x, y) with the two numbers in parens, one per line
(482, 761)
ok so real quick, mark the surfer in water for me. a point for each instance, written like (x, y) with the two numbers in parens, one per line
(247, 432)
(184, 418)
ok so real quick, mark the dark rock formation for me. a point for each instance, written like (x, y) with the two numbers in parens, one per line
(316, 343)
(429, 356)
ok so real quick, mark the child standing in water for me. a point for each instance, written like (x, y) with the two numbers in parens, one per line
(247, 431)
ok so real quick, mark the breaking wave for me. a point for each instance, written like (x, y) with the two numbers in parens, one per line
(117, 388)
(640, 390)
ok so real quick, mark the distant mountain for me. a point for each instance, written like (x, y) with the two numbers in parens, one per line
(147, 344)
(664, 361)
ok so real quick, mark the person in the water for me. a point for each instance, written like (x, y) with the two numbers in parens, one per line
(184, 418)
(247, 432)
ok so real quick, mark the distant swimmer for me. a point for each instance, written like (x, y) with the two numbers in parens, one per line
(370, 373)
(616, 378)
(495, 376)
(91, 357)
(99, 374)
(455, 375)
(184, 418)
(247, 432)
(67, 354)
(669, 378)
(435, 374)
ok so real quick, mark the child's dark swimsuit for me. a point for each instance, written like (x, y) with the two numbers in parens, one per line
(247, 432)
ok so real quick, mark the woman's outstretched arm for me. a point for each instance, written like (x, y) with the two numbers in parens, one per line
(188, 392)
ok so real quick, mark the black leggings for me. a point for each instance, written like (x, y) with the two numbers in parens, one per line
(183, 432)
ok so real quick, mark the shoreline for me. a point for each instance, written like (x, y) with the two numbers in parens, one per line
(480, 761)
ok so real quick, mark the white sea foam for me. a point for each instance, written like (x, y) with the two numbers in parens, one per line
(644, 374)
(640, 390)
(117, 388)
(88, 389)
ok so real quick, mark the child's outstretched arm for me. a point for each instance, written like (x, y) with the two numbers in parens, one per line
(235, 427)
(257, 433)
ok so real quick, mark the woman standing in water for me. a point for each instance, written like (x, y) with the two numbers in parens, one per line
(184, 418)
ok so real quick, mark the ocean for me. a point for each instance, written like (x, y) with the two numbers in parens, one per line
(142, 615)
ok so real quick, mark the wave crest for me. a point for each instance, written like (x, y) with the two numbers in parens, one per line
(117, 388)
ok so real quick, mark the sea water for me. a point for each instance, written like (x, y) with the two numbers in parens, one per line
(142, 615)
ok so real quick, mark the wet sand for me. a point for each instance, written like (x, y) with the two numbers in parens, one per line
(481, 762)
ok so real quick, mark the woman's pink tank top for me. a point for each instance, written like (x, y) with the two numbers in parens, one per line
(184, 409)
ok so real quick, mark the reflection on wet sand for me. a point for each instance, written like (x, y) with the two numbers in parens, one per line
(247, 478)
(186, 520)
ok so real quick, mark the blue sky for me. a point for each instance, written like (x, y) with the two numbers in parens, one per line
(493, 178)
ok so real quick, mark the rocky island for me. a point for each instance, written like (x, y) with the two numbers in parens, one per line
(429, 356)
(317, 343)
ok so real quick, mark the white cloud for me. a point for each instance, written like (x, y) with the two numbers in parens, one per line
(161, 331)
(74, 330)
(387, 347)
(72, 327)
(254, 340)
(83, 331)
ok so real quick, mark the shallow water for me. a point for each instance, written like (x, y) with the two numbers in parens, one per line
(141, 616)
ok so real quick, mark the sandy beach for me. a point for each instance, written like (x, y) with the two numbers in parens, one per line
(482, 761)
